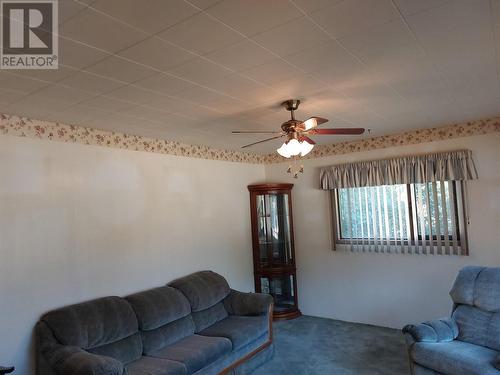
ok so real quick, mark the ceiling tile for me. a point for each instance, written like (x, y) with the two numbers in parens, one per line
(77, 54)
(321, 57)
(64, 94)
(116, 68)
(164, 83)
(133, 94)
(201, 34)
(242, 55)
(41, 104)
(198, 94)
(309, 6)
(408, 7)
(150, 15)
(495, 9)
(20, 83)
(77, 115)
(48, 75)
(340, 75)
(157, 53)
(200, 71)
(292, 37)
(389, 36)
(272, 72)
(107, 104)
(301, 85)
(168, 104)
(10, 96)
(100, 31)
(90, 82)
(253, 17)
(27, 109)
(68, 9)
(234, 84)
(349, 17)
(204, 4)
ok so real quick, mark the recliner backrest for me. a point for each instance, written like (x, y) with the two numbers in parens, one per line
(476, 294)
(164, 316)
(205, 291)
(106, 326)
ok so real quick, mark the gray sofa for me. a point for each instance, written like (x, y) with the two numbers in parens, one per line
(467, 343)
(195, 325)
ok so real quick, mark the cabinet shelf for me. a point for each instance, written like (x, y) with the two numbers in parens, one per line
(273, 246)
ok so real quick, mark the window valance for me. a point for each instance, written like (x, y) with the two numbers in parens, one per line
(443, 166)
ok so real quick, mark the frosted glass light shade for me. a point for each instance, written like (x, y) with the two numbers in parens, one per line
(293, 148)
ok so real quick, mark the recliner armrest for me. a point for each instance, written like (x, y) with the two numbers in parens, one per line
(249, 304)
(64, 359)
(445, 329)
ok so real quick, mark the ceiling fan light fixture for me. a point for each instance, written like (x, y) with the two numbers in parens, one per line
(310, 123)
(293, 147)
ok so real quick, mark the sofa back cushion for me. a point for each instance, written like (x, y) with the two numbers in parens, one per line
(203, 289)
(164, 317)
(476, 294)
(106, 324)
(205, 318)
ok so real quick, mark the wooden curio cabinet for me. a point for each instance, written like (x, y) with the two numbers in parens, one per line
(273, 246)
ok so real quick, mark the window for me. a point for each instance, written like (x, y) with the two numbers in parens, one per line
(424, 218)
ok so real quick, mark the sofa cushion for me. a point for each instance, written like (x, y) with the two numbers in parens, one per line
(203, 289)
(159, 306)
(157, 339)
(206, 318)
(155, 366)
(94, 323)
(455, 358)
(125, 350)
(473, 324)
(241, 330)
(196, 351)
(487, 289)
(462, 291)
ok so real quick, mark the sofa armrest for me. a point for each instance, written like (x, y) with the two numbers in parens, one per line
(238, 303)
(445, 329)
(65, 359)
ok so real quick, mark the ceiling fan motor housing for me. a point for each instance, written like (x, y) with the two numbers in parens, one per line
(291, 104)
(290, 126)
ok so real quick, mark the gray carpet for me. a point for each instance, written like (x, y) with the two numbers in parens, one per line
(310, 346)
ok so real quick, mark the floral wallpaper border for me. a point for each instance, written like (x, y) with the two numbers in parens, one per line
(467, 129)
(25, 127)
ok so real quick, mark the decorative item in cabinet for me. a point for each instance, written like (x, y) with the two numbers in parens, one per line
(275, 272)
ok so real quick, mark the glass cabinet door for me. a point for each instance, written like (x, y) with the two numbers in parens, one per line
(282, 289)
(274, 229)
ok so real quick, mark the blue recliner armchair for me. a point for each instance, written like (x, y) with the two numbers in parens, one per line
(467, 343)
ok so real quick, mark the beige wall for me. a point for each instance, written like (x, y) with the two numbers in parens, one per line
(78, 222)
(382, 289)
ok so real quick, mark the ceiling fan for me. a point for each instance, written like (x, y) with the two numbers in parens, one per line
(297, 132)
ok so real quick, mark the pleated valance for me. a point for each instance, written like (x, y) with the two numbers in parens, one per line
(443, 166)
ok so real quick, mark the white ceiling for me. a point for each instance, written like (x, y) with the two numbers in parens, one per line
(193, 70)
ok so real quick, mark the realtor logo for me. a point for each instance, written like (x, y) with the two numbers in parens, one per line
(29, 34)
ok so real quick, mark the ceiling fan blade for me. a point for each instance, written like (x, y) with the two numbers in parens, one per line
(264, 140)
(312, 122)
(307, 139)
(254, 132)
(339, 131)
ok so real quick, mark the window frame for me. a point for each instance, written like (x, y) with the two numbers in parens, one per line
(461, 220)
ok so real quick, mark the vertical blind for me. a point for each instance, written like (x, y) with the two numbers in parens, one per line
(413, 205)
